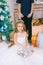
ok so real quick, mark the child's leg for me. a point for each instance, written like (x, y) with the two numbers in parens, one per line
(11, 44)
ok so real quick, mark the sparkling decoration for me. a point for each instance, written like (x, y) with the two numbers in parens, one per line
(0, 3)
(5, 26)
(6, 8)
(1, 10)
(1, 29)
(2, 17)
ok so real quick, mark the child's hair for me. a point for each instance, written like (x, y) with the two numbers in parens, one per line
(19, 22)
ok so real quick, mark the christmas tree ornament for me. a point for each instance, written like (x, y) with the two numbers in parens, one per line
(1, 17)
(1, 10)
(6, 8)
(0, 3)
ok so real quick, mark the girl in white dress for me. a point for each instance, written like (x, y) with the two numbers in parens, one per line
(21, 53)
(21, 39)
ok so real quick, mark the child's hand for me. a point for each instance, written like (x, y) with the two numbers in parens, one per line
(24, 48)
(32, 49)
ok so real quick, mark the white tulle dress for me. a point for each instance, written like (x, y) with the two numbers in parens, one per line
(9, 56)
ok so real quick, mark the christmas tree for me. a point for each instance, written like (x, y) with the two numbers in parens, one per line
(5, 23)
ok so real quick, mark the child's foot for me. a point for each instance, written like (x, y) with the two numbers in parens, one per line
(10, 45)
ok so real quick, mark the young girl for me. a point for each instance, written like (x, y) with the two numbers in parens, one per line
(21, 39)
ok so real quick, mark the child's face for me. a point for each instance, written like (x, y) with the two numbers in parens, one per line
(20, 27)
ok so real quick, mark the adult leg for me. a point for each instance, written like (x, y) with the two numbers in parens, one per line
(25, 22)
(28, 23)
(30, 28)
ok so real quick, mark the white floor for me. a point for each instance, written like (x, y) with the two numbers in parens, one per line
(8, 56)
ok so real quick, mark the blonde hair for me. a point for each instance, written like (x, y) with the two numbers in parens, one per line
(19, 22)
